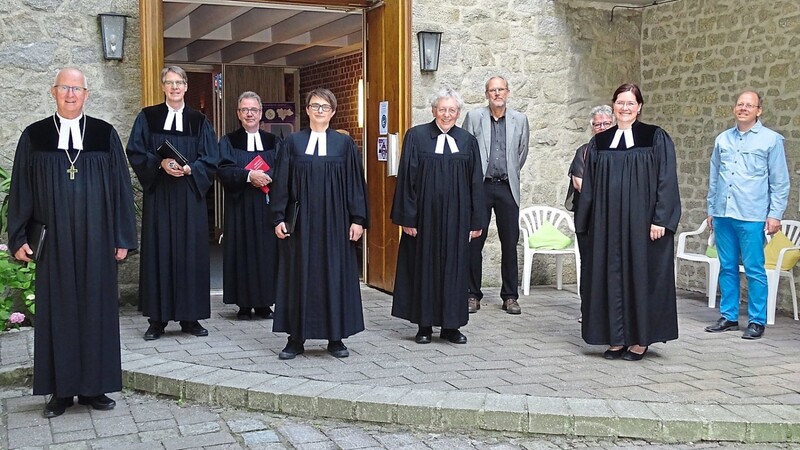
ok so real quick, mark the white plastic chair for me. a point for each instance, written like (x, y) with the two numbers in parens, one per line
(530, 219)
(791, 228)
(712, 274)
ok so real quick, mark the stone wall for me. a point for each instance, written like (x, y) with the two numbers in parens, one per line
(696, 58)
(38, 37)
(561, 58)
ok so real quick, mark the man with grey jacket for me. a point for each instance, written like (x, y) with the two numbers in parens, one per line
(502, 135)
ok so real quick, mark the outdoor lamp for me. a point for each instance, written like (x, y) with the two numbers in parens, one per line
(112, 30)
(430, 43)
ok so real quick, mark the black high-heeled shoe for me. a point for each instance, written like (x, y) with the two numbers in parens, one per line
(614, 354)
(631, 356)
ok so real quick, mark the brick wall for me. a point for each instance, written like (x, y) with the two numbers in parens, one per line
(341, 76)
(696, 58)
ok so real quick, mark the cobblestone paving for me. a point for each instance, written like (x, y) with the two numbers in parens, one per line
(145, 422)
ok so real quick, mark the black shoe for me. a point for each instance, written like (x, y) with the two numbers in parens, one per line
(264, 313)
(154, 331)
(723, 324)
(615, 354)
(753, 331)
(453, 336)
(292, 349)
(57, 405)
(98, 402)
(194, 328)
(338, 349)
(244, 313)
(423, 335)
(630, 356)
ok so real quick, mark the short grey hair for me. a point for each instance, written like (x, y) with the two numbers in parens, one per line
(67, 69)
(496, 77)
(174, 69)
(249, 94)
(604, 110)
(446, 92)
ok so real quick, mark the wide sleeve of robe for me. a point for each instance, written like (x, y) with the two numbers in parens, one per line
(144, 161)
(20, 200)
(205, 166)
(667, 211)
(404, 207)
(356, 187)
(233, 177)
(279, 190)
(584, 212)
(124, 212)
(478, 218)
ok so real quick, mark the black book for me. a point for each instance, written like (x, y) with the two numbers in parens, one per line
(291, 216)
(167, 150)
(36, 232)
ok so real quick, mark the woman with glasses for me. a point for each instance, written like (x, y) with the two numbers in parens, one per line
(319, 202)
(628, 213)
(250, 249)
(601, 118)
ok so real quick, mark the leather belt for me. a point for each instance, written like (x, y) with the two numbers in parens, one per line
(495, 180)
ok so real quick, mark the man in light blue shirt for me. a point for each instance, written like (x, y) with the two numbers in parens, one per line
(748, 188)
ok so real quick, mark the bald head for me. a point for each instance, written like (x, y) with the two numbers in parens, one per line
(70, 91)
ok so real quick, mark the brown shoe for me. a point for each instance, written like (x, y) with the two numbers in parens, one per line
(474, 305)
(511, 306)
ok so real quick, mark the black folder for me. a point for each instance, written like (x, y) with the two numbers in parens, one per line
(167, 150)
(36, 232)
(291, 216)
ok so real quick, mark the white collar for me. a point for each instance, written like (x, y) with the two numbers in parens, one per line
(254, 141)
(70, 127)
(174, 115)
(450, 142)
(317, 139)
(618, 135)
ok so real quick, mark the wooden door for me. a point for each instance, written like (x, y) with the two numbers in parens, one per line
(387, 49)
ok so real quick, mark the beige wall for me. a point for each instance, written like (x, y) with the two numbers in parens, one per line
(696, 58)
(560, 60)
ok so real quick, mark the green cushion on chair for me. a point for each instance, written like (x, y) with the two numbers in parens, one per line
(549, 237)
(778, 242)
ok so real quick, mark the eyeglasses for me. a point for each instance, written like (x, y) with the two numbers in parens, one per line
(250, 110)
(319, 107)
(174, 83)
(452, 111)
(602, 124)
(629, 105)
(496, 90)
(746, 106)
(75, 89)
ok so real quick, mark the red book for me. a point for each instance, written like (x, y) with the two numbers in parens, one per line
(258, 163)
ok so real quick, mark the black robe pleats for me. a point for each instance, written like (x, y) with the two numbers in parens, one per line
(441, 195)
(174, 275)
(318, 290)
(76, 339)
(628, 281)
(250, 247)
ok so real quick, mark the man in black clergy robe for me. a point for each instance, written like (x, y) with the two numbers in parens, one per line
(70, 174)
(439, 203)
(174, 272)
(318, 292)
(250, 248)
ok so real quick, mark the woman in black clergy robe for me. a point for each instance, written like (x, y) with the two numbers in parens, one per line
(439, 203)
(318, 290)
(629, 210)
(174, 272)
(250, 248)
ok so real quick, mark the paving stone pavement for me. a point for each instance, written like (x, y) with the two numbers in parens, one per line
(526, 373)
(147, 422)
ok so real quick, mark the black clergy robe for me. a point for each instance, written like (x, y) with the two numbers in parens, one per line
(250, 247)
(441, 195)
(76, 339)
(318, 290)
(174, 272)
(628, 283)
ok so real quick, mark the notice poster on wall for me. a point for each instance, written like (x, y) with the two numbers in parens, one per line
(278, 118)
(383, 148)
(383, 118)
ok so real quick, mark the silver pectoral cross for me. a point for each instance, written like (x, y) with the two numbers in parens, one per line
(72, 171)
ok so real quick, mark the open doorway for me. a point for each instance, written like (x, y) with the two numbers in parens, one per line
(300, 35)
